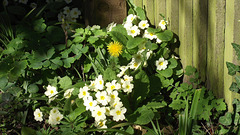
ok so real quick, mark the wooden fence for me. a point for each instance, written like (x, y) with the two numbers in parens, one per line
(206, 29)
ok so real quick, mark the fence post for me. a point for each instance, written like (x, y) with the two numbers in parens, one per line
(103, 12)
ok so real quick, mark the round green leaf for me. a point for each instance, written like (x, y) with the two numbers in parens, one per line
(134, 42)
(167, 35)
(33, 88)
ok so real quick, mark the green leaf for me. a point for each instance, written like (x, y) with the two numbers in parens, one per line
(57, 61)
(79, 39)
(65, 82)
(153, 30)
(237, 49)
(3, 82)
(134, 42)
(39, 25)
(117, 36)
(151, 46)
(27, 131)
(68, 61)
(46, 63)
(33, 88)
(50, 53)
(232, 68)
(166, 35)
(166, 73)
(109, 74)
(19, 67)
(78, 111)
(189, 70)
(156, 105)
(237, 78)
(92, 39)
(234, 87)
(173, 63)
(226, 119)
(143, 115)
(177, 104)
(219, 104)
(140, 13)
(84, 49)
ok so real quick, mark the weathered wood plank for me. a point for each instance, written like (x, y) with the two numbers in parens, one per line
(148, 5)
(200, 36)
(231, 35)
(160, 8)
(185, 34)
(172, 14)
(215, 49)
(138, 3)
(107, 11)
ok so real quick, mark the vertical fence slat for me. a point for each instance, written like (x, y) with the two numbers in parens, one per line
(148, 5)
(104, 12)
(185, 33)
(231, 35)
(173, 15)
(138, 3)
(160, 8)
(216, 42)
(200, 36)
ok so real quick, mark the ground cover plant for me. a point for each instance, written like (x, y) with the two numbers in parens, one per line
(59, 77)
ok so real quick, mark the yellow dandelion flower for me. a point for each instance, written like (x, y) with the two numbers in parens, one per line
(115, 48)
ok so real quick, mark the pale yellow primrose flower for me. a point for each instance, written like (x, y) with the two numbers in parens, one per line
(118, 113)
(163, 24)
(133, 31)
(161, 64)
(102, 97)
(143, 24)
(68, 93)
(51, 91)
(38, 115)
(99, 113)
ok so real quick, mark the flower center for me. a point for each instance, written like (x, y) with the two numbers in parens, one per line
(99, 113)
(112, 87)
(91, 104)
(58, 118)
(151, 34)
(51, 91)
(118, 112)
(84, 93)
(39, 115)
(161, 63)
(102, 97)
(133, 31)
(144, 25)
(112, 96)
(127, 86)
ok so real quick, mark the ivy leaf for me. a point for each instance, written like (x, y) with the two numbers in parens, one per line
(232, 68)
(166, 35)
(226, 119)
(237, 49)
(134, 42)
(237, 78)
(234, 87)
(65, 82)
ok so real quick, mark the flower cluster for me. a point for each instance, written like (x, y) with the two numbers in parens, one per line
(101, 98)
(68, 15)
(54, 117)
